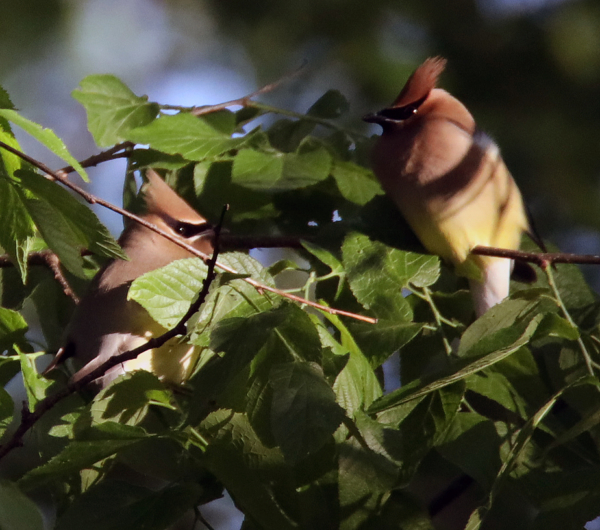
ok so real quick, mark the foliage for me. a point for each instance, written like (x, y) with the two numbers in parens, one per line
(287, 409)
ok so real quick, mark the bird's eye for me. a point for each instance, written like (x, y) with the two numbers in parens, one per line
(399, 113)
(188, 230)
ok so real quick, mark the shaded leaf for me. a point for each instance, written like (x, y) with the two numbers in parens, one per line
(17, 511)
(117, 505)
(304, 413)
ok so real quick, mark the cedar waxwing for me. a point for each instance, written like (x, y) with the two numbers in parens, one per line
(105, 323)
(450, 182)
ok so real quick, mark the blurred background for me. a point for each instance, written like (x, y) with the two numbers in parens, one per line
(529, 71)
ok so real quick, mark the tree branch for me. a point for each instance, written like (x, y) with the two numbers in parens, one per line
(542, 259)
(122, 150)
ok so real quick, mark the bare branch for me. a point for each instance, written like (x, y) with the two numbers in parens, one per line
(53, 264)
(542, 259)
(122, 150)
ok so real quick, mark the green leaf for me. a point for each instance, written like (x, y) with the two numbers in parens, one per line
(257, 170)
(378, 273)
(330, 105)
(356, 386)
(112, 108)
(167, 293)
(186, 135)
(304, 169)
(418, 388)
(46, 137)
(17, 511)
(5, 102)
(337, 269)
(568, 499)
(472, 443)
(365, 480)
(128, 399)
(304, 413)
(35, 385)
(6, 413)
(518, 447)
(17, 232)
(280, 171)
(12, 328)
(9, 367)
(66, 225)
(79, 455)
(118, 505)
(356, 183)
(236, 456)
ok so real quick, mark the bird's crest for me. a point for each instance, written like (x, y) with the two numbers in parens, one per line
(162, 200)
(421, 82)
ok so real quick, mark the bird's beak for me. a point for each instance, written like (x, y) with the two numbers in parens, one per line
(375, 118)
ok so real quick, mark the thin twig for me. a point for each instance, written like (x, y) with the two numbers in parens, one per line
(243, 101)
(542, 259)
(122, 150)
(92, 199)
(30, 418)
(53, 264)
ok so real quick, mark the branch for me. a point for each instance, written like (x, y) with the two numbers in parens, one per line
(243, 101)
(53, 263)
(92, 199)
(542, 259)
(122, 150)
(29, 419)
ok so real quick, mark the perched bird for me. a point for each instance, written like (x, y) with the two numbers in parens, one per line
(105, 323)
(450, 182)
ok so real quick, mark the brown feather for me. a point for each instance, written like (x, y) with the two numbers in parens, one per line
(421, 82)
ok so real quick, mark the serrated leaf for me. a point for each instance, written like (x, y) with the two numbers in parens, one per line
(277, 171)
(304, 413)
(517, 448)
(128, 399)
(378, 273)
(5, 102)
(257, 170)
(46, 137)
(236, 457)
(330, 105)
(418, 388)
(379, 341)
(6, 412)
(356, 386)
(186, 135)
(66, 225)
(356, 183)
(10, 161)
(76, 456)
(112, 108)
(17, 232)
(17, 511)
(34, 383)
(117, 505)
(167, 293)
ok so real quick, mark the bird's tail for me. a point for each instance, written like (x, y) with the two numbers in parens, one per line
(494, 287)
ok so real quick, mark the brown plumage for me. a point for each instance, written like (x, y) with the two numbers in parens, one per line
(105, 323)
(449, 181)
